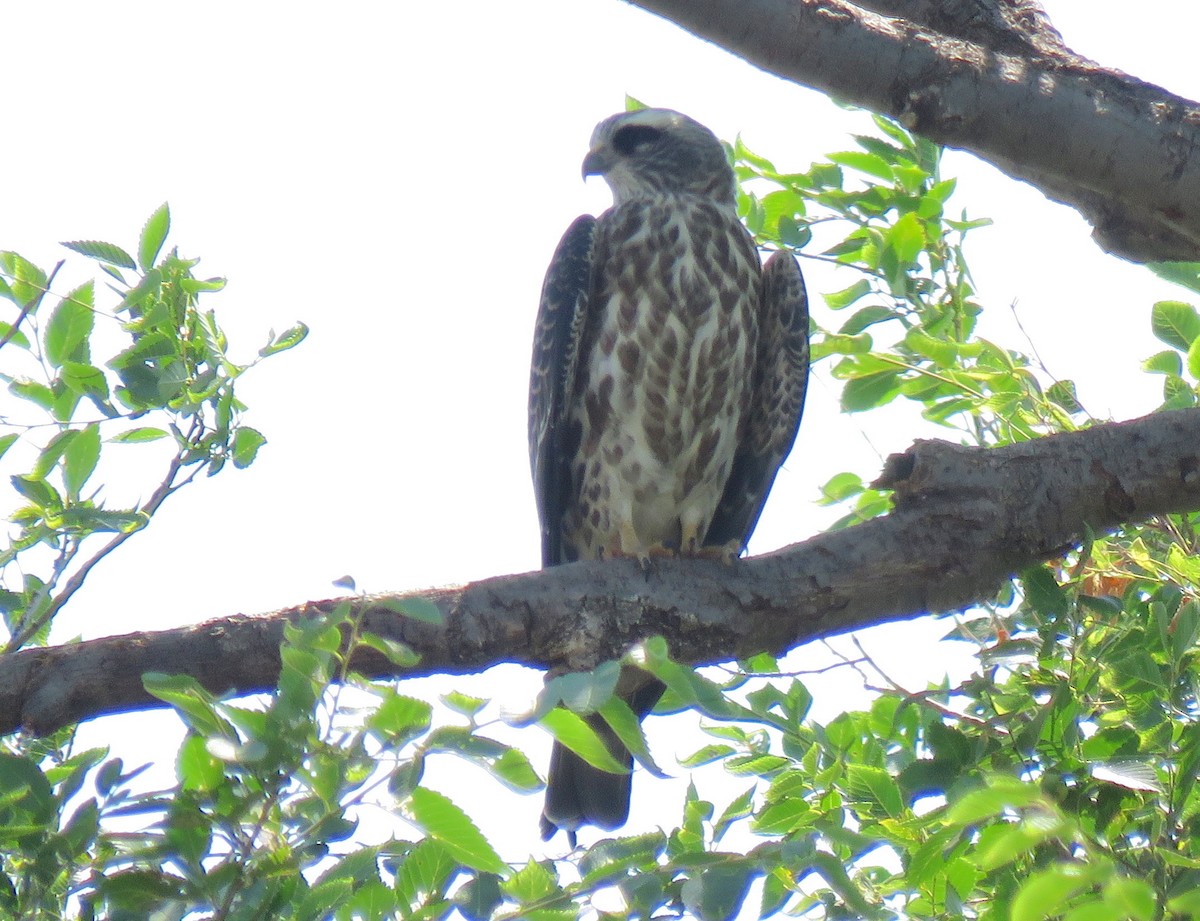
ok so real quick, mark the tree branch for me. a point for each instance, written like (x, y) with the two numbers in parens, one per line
(999, 84)
(965, 520)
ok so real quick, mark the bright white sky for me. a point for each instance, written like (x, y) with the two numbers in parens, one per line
(396, 176)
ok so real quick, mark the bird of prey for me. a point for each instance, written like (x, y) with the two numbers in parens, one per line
(668, 378)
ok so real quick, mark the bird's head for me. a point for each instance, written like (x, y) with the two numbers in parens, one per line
(658, 151)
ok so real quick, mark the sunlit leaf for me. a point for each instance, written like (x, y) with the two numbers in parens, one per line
(717, 892)
(442, 820)
(417, 608)
(139, 435)
(80, 458)
(70, 324)
(154, 234)
(288, 339)
(1175, 323)
(246, 443)
(869, 163)
(571, 730)
(1132, 775)
(847, 296)
(102, 252)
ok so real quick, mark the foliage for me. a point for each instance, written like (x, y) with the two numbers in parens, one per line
(1058, 781)
(89, 385)
(165, 361)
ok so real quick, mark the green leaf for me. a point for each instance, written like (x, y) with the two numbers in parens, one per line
(876, 785)
(406, 775)
(50, 455)
(991, 801)
(870, 391)
(836, 344)
(1065, 395)
(28, 281)
(1193, 359)
(716, 893)
(102, 252)
(323, 898)
(793, 233)
(573, 731)
(1186, 274)
(784, 817)
(583, 692)
(1164, 362)
(37, 490)
(532, 882)
(396, 652)
(80, 458)
(707, 755)
(27, 802)
(624, 722)
(464, 703)
(36, 393)
(87, 380)
(246, 442)
(425, 871)
(513, 769)
(1127, 773)
(196, 767)
(847, 296)
(416, 608)
(906, 238)
(149, 284)
(201, 285)
(139, 435)
(1134, 899)
(288, 339)
(740, 808)
(1043, 593)
(1043, 894)
(191, 701)
(70, 324)
(94, 519)
(865, 317)
(477, 899)
(841, 487)
(443, 821)
(9, 334)
(401, 718)
(941, 352)
(869, 163)
(154, 234)
(1175, 323)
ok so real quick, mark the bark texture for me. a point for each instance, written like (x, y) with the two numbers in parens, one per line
(965, 519)
(992, 77)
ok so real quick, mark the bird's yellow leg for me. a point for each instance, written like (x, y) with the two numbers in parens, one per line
(689, 538)
(723, 553)
(628, 545)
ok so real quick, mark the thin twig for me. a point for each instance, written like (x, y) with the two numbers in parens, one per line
(75, 582)
(30, 307)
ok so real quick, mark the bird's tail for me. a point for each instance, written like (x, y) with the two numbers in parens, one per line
(578, 794)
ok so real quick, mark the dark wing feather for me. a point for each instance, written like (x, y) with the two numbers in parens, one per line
(556, 339)
(780, 381)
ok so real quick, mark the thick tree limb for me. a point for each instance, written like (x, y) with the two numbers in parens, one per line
(991, 77)
(965, 519)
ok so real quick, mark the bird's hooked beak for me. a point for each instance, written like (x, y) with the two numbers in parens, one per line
(598, 161)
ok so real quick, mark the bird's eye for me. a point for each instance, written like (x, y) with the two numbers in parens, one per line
(631, 138)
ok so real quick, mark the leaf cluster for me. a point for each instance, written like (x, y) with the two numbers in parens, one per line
(83, 383)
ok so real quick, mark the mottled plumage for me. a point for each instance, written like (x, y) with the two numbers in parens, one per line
(668, 378)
